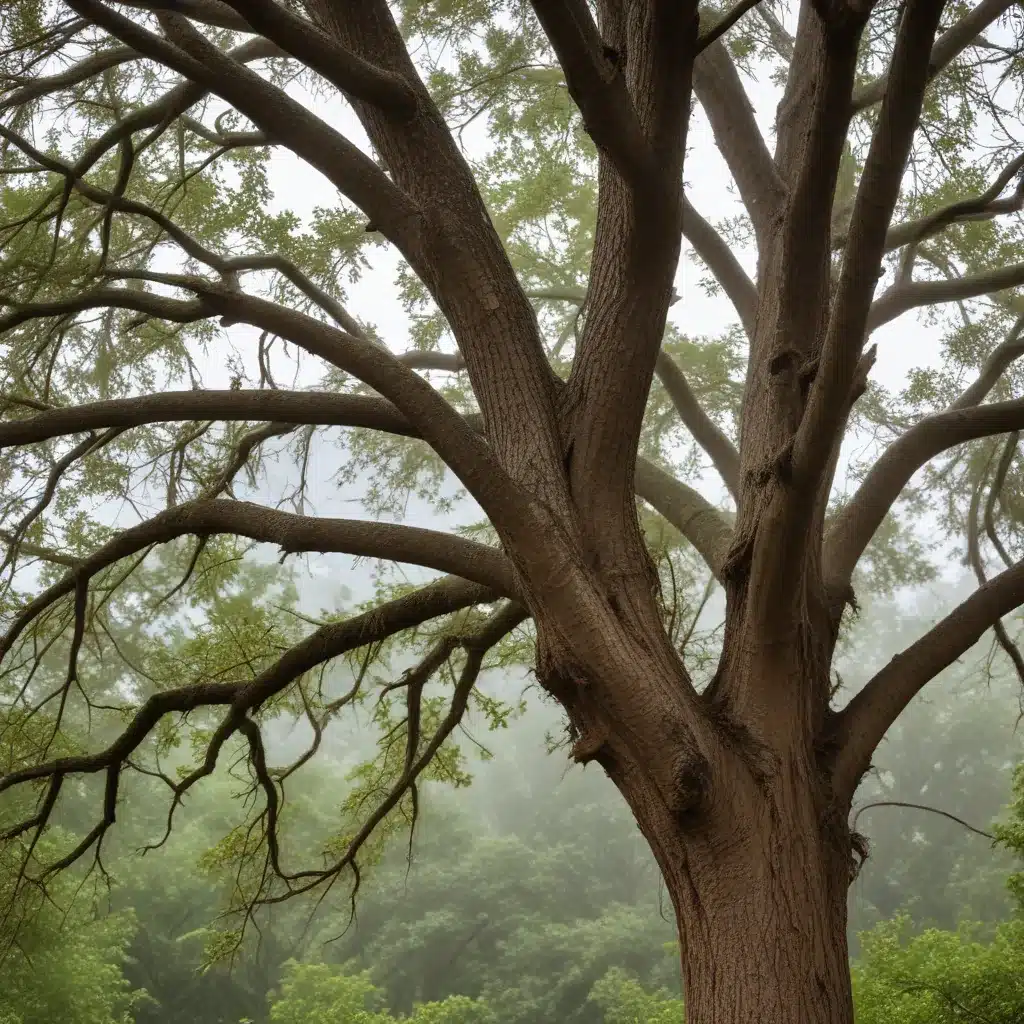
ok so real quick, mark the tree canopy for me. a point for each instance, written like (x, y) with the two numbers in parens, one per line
(671, 525)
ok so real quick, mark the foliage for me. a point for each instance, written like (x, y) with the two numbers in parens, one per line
(63, 958)
(318, 994)
(623, 1001)
(940, 977)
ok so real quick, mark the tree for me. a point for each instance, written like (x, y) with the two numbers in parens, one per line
(138, 231)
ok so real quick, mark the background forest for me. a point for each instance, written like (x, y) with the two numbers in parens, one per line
(516, 908)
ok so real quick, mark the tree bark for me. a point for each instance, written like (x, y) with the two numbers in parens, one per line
(737, 803)
(758, 878)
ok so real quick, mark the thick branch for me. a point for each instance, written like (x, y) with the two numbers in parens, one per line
(876, 199)
(294, 407)
(868, 716)
(293, 533)
(441, 426)
(902, 297)
(704, 430)
(856, 524)
(718, 87)
(88, 67)
(465, 266)
(947, 47)
(214, 13)
(347, 71)
(598, 88)
(703, 525)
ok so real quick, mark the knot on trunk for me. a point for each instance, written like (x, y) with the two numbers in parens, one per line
(690, 784)
(590, 742)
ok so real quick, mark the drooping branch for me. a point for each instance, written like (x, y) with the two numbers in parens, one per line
(293, 533)
(918, 807)
(330, 641)
(475, 646)
(865, 720)
(947, 47)
(856, 524)
(974, 554)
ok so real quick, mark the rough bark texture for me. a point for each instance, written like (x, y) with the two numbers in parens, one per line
(743, 790)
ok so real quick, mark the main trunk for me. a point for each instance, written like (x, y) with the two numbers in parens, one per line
(759, 882)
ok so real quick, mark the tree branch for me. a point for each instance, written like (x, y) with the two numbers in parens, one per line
(439, 598)
(717, 86)
(475, 645)
(464, 265)
(726, 22)
(974, 555)
(918, 807)
(947, 47)
(982, 207)
(94, 64)
(293, 533)
(865, 720)
(720, 260)
(292, 407)
(877, 195)
(462, 449)
(856, 524)
(270, 109)
(214, 13)
(598, 88)
(347, 71)
(904, 296)
(704, 430)
(703, 525)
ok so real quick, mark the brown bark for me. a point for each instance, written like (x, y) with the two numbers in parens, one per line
(738, 808)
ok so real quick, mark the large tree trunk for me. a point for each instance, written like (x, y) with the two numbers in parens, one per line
(735, 797)
(759, 882)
